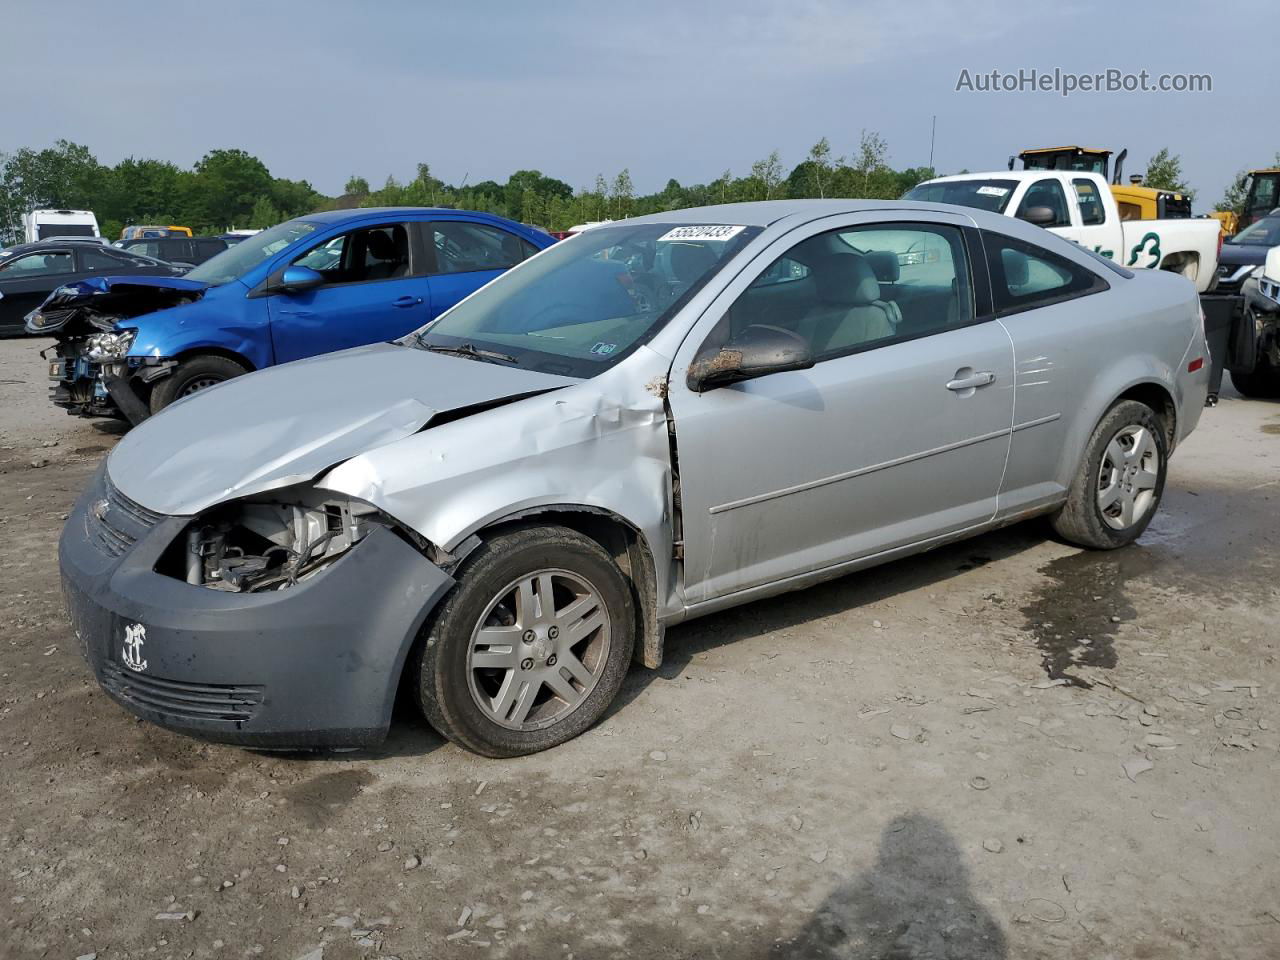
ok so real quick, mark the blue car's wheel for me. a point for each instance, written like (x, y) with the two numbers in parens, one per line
(191, 376)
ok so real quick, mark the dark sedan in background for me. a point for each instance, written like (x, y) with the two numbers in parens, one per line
(183, 251)
(29, 273)
(1246, 251)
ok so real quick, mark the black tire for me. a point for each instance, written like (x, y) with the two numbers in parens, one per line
(1262, 383)
(442, 681)
(1081, 519)
(192, 375)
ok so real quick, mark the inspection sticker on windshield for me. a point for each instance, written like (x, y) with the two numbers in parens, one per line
(604, 349)
(989, 191)
(700, 234)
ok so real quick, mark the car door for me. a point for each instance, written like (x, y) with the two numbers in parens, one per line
(468, 255)
(897, 435)
(375, 290)
(1093, 231)
(25, 282)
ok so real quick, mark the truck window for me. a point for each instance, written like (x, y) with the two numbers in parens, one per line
(1047, 193)
(1092, 212)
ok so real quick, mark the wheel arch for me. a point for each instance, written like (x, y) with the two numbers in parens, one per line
(624, 541)
(1156, 396)
(211, 350)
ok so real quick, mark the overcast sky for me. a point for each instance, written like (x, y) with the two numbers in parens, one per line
(321, 90)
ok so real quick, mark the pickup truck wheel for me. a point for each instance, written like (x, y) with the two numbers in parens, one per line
(192, 376)
(531, 647)
(1262, 383)
(1121, 478)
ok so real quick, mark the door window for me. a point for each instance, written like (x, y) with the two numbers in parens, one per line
(362, 256)
(1024, 276)
(462, 247)
(1092, 211)
(37, 264)
(1047, 193)
(858, 288)
(100, 261)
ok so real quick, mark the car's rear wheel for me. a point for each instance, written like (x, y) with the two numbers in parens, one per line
(532, 645)
(192, 376)
(1120, 481)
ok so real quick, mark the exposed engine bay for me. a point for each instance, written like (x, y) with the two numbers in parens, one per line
(264, 545)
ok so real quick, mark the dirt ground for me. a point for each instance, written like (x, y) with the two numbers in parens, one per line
(879, 767)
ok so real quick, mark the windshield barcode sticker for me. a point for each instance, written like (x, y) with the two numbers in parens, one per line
(990, 191)
(701, 234)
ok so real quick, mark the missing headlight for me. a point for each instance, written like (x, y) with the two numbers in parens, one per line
(261, 545)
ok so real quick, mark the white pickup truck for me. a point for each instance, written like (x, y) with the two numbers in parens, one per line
(1080, 207)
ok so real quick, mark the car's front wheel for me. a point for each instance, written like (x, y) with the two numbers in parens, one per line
(191, 376)
(1120, 481)
(530, 648)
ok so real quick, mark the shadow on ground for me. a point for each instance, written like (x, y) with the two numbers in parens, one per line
(914, 904)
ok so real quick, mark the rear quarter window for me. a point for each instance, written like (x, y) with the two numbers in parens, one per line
(1025, 276)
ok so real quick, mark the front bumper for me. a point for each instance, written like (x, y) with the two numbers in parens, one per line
(316, 664)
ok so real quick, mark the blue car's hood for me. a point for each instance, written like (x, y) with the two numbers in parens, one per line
(287, 424)
(99, 301)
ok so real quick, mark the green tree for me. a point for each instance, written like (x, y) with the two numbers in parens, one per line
(768, 175)
(1164, 171)
(227, 185)
(621, 195)
(872, 158)
(820, 165)
(357, 186)
(264, 214)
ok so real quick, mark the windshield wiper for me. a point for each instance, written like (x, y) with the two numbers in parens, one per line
(468, 350)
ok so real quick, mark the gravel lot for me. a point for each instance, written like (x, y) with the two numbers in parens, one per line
(879, 767)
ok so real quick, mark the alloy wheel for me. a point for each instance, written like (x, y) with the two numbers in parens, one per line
(539, 650)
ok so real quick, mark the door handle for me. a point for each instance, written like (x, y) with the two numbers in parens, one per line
(406, 301)
(979, 379)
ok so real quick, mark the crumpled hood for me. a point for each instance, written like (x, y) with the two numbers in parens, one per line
(287, 424)
(99, 301)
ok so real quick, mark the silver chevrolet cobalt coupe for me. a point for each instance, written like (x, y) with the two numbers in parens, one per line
(653, 420)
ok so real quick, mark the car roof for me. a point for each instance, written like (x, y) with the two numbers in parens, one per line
(764, 213)
(341, 216)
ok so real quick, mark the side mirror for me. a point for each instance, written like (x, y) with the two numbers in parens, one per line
(296, 279)
(1040, 216)
(757, 351)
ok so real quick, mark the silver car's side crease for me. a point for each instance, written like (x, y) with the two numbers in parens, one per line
(861, 472)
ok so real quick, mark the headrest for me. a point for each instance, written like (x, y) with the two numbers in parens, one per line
(1016, 272)
(689, 261)
(885, 265)
(381, 246)
(845, 279)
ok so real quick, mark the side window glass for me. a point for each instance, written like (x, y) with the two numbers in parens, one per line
(462, 247)
(1092, 212)
(1047, 193)
(1024, 275)
(38, 264)
(326, 258)
(854, 289)
(361, 256)
(99, 262)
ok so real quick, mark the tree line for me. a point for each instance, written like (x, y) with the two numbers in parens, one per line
(230, 188)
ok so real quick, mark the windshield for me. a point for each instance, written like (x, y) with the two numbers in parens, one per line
(587, 302)
(236, 261)
(1263, 233)
(990, 195)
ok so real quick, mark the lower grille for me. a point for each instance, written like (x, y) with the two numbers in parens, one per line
(231, 703)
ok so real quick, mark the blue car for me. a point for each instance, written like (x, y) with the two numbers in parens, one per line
(130, 346)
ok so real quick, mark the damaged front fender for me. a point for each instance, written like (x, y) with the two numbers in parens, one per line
(92, 305)
(602, 444)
